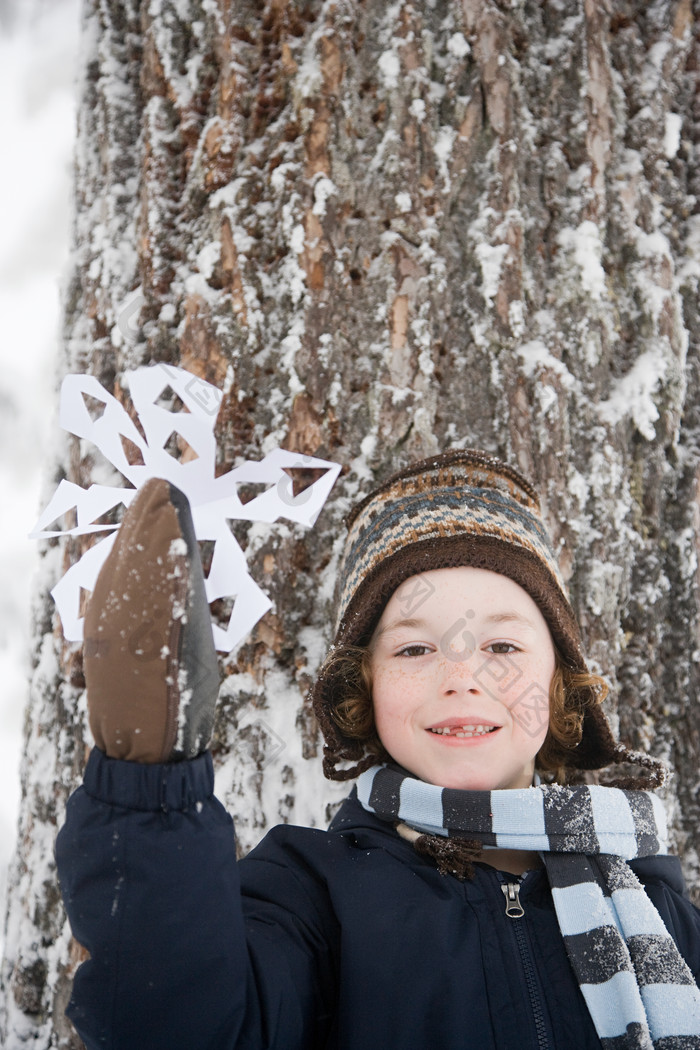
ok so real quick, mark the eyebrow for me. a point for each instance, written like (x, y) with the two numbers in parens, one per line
(404, 622)
(510, 617)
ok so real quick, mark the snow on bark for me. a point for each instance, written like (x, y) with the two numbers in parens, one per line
(383, 230)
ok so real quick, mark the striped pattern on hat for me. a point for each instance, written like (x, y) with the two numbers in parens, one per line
(460, 494)
(463, 507)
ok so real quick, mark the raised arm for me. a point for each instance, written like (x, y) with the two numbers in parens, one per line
(146, 859)
(178, 960)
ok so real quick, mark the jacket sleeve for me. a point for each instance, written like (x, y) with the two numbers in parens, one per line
(177, 960)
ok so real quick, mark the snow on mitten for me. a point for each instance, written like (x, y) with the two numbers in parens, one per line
(150, 663)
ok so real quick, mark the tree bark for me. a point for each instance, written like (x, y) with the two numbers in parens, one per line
(384, 230)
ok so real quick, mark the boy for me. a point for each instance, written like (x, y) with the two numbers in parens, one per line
(450, 903)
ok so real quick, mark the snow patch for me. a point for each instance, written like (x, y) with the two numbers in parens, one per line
(443, 151)
(368, 446)
(516, 317)
(297, 239)
(491, 258)
(403, 202)
(672, 134)
(578, 487)
(689, 270)
(547, 397)
(417, 109)
(323, 189)
(390, 68)
(585, 244)
(603, 582)
(633, 395)
(208, 257)
(536, 357)
(458, 46)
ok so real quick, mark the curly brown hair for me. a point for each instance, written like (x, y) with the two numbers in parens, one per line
(571, 692)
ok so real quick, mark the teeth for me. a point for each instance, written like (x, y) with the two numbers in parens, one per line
(463, 730)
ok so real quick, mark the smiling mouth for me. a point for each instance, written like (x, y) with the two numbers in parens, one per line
(463, 731)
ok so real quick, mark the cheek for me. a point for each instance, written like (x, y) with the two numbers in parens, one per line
(384, 696)
(529, 702)
(393, 698)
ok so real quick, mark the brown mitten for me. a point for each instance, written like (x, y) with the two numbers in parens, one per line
(150, 664)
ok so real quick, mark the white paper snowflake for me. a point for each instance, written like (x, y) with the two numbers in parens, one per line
(89, 412)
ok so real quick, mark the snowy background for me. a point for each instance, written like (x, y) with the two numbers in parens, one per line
(38, 61)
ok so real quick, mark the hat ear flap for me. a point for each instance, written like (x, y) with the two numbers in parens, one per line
(342, 670)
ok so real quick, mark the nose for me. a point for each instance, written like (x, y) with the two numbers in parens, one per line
(462, 658)
(459, 670)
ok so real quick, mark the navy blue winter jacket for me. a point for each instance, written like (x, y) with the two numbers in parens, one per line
(345, 940)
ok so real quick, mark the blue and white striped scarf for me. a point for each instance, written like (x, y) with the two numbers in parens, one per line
(639, 990)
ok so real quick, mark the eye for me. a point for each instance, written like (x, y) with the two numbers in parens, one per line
(502, 648)
(414, 650)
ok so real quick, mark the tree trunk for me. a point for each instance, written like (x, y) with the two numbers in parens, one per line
(382, 230)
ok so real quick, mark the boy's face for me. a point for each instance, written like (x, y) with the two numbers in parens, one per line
(462, 660)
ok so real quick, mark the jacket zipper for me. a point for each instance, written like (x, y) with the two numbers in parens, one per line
(511, 892)
(515, 911)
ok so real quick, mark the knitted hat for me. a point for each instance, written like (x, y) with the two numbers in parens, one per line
(463, 507)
